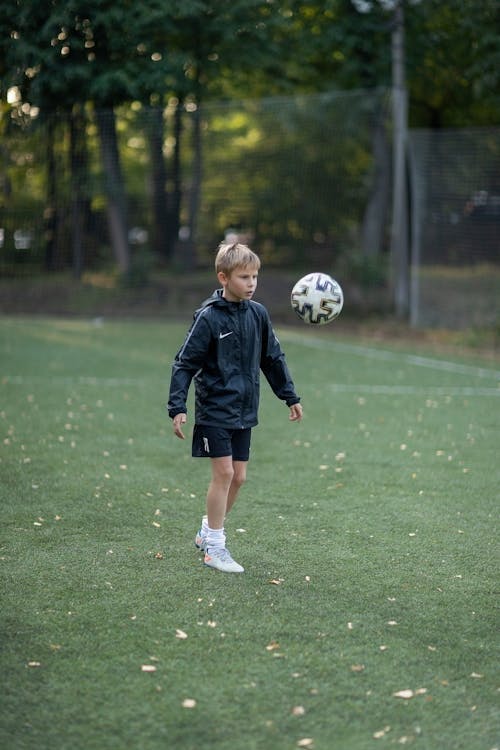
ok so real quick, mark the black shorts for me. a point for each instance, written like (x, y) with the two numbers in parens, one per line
(217, 442)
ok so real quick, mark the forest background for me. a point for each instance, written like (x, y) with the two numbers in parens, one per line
(136, 136)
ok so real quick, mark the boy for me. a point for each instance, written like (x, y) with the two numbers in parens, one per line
(229, 341)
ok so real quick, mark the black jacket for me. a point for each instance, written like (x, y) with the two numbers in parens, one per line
(225, 347)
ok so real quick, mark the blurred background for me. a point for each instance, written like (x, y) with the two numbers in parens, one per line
(359, 138)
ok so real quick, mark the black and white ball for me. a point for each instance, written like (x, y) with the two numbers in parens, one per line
(317, 298)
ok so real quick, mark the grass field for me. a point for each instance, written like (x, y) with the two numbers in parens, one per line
(367, 533)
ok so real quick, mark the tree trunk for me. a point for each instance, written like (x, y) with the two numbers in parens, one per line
(78, 163)
(50, 212)
(372, 232)
(194, 193)
(115, 189)
(159, 243)
(174, 198)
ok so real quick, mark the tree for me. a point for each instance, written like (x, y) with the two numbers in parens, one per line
(74, 59)
(62, 54)
(221, 48)
(453, 63)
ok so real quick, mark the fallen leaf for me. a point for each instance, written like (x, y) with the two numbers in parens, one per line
(148, 668)
(381, 733)
(159, 556)
(305, 742)
(180, 634)
(298, 711)
(357, 667)
(476, 675)
(276, 581)
(34, 664)
(272, 646)
(188, 703)
(406, 694)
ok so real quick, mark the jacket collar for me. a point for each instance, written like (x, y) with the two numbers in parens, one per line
(217, 300)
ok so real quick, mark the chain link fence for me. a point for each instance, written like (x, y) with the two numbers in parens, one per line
(305, 180)
(455, 243)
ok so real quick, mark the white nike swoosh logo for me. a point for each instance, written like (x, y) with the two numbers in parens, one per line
(223, 335)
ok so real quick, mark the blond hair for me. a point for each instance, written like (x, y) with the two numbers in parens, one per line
(236, 255)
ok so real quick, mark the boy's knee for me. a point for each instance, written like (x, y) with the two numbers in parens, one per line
(239, 478)
(224, 474)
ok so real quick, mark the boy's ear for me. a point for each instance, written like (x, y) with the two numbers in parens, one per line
(222, 277)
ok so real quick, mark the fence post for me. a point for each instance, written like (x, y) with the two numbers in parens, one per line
(399, 237)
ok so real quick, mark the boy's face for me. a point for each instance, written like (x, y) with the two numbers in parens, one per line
(240, 284)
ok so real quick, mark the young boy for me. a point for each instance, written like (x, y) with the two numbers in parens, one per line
(229, 341)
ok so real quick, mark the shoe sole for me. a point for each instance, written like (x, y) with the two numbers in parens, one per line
(207, 565)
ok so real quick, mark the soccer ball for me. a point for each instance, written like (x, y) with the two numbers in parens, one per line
(317, 298)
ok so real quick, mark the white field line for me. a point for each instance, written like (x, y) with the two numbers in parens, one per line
(360, 388)
(401, 357)
(315, 343)
(413, 390)
(74, 380)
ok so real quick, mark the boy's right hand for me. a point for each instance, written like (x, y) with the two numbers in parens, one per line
(179, 420)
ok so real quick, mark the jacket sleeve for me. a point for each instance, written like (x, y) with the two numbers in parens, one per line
(188, 361)
(274, 366)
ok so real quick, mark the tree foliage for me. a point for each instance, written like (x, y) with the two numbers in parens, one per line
(73, 58)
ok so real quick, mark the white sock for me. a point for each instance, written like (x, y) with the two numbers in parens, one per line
(216, 538)
(204, 525)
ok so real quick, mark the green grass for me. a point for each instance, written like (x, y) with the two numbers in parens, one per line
(367, 533)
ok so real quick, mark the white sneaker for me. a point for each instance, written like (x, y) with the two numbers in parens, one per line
(220, 559)
(200, 541)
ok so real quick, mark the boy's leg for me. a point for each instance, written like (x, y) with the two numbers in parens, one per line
(218, 490)
(239, 477)
(216, 554)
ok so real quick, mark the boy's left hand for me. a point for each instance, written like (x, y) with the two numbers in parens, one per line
(296, 412)
(178, 421)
